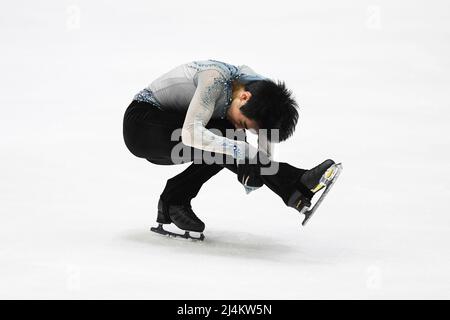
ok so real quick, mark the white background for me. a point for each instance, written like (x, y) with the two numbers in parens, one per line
(372, 79)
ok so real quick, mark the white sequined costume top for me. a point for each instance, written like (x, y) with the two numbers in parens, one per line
(203, 90)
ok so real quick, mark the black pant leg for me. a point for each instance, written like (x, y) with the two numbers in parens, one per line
(147, 131)
(185, 186)
(285, 181)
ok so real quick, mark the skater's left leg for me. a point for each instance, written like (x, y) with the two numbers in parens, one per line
(185, 186)
(285, 181)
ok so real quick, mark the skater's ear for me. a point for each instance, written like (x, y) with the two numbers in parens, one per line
(245, 95)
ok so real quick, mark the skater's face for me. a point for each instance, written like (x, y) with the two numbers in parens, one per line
(240, 121)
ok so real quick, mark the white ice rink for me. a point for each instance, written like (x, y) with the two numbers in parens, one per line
(373, 82)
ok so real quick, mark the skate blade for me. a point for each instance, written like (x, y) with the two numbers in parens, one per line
(187, 235)
(326, 178)
(328, 181)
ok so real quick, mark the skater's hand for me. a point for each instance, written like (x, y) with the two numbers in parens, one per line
(248, 171)
(248, 175)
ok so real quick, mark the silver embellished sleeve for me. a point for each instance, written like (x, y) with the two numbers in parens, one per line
(209, 87)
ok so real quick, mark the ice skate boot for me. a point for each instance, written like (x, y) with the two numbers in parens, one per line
(312, 181)
(182, 216)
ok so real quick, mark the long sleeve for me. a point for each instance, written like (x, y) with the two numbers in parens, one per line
(209, 87)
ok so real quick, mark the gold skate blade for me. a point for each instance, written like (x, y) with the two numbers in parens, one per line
(309, 213)
(326, 177)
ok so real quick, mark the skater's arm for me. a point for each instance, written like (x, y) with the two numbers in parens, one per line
(194, 132)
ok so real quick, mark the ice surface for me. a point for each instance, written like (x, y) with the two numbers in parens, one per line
(372, 79)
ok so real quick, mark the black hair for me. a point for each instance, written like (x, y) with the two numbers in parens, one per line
(272, 107)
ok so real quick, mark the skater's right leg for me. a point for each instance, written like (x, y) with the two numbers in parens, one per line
(174, 202)
(148, 134)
